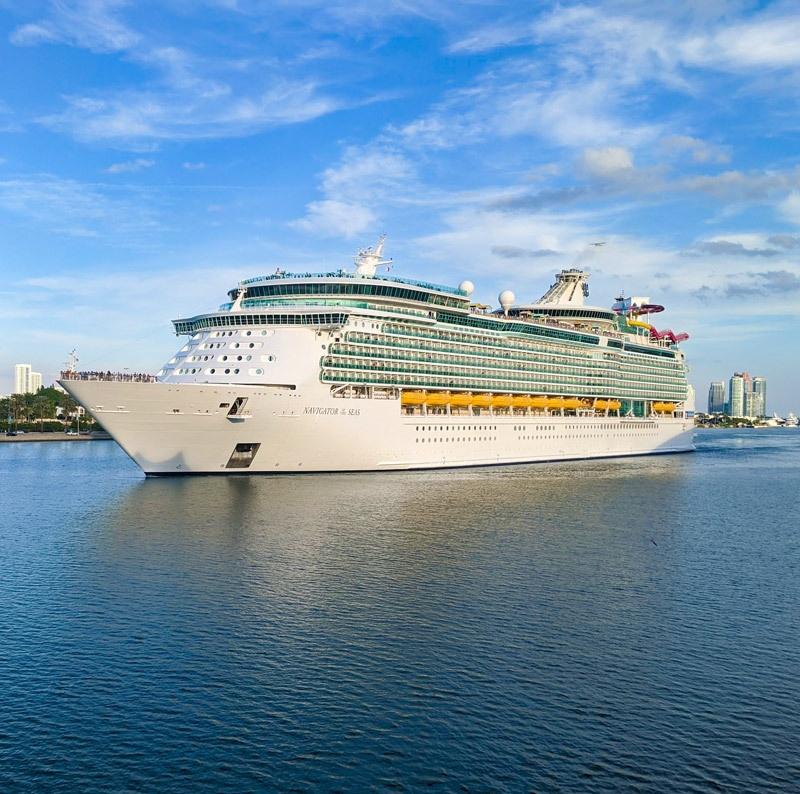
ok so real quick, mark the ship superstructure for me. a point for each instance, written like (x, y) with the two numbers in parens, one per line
(359, 370)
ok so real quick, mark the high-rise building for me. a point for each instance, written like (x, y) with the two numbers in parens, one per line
(22, 374)
(716, 397)
(760, 388)
(751, 400)
(736, 394)
(26, 381)
(747, 396)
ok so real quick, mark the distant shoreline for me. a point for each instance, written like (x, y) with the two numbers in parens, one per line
(745, 427)
(31, 436)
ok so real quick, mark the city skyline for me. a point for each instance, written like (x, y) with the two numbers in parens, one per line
(152, 155)
(744, 396)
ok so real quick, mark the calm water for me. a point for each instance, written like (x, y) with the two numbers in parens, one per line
(601, 626)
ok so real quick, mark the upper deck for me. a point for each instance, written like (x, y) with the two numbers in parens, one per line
(282, 275)
(328, 298)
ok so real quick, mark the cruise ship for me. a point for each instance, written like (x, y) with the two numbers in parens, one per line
(357, 370)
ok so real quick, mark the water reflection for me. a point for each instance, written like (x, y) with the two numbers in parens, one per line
(531, 627)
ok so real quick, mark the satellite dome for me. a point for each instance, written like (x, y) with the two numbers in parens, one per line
(506, 298)
(467, 287)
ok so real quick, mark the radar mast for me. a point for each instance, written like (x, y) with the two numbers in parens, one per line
(368, 260)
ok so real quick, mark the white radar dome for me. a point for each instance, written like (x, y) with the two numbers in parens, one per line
(467, 286)
(506, 298)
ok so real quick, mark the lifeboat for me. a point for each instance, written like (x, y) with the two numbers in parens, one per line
(607, 405)
(438, 398)
(481, 400)
(522, 401)
(555, 402)
(573, 403)
(460, 399)
(413, 398)
(502, 401)
(539, 402)
(664, 408)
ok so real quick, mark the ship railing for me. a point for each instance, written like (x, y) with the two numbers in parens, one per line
(412, 282)
(123, 377)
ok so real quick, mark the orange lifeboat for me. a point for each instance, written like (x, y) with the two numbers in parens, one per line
(573, 403)
(482, 400)
(522, 401)
(438, 398)
(539, 402)
(460, 399)
(606, 405)
(664, 408)
(413, 398)
(555, 403)
(502, 401)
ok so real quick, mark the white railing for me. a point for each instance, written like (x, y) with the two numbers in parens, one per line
(124, 377)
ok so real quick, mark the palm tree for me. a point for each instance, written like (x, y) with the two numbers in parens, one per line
(42, 407)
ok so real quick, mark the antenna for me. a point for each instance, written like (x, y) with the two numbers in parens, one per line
(72, 361)
(368, 260)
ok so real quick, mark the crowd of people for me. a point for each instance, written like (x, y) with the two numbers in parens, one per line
(128, 377)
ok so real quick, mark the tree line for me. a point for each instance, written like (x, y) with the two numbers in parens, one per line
(46, 409)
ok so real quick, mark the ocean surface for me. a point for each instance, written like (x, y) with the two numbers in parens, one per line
(613, 625)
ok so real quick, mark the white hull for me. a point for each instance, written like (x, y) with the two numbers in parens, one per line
(169, 428)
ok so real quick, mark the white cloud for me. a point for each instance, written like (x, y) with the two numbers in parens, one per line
(741, 186)
(641, 44)
(188, 96)
(700, 151)
(789, 208)
(186, 113)
(611, 162)
(83, 23)
(523, 97)
(332, 218)
(66, 206)
(33, 33)
(194, 166)
(345, 15)
(130, 166)
(768, 41)
(366, 172)
(363, 178)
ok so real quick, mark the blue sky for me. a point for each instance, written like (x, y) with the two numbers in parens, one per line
(154, 153)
